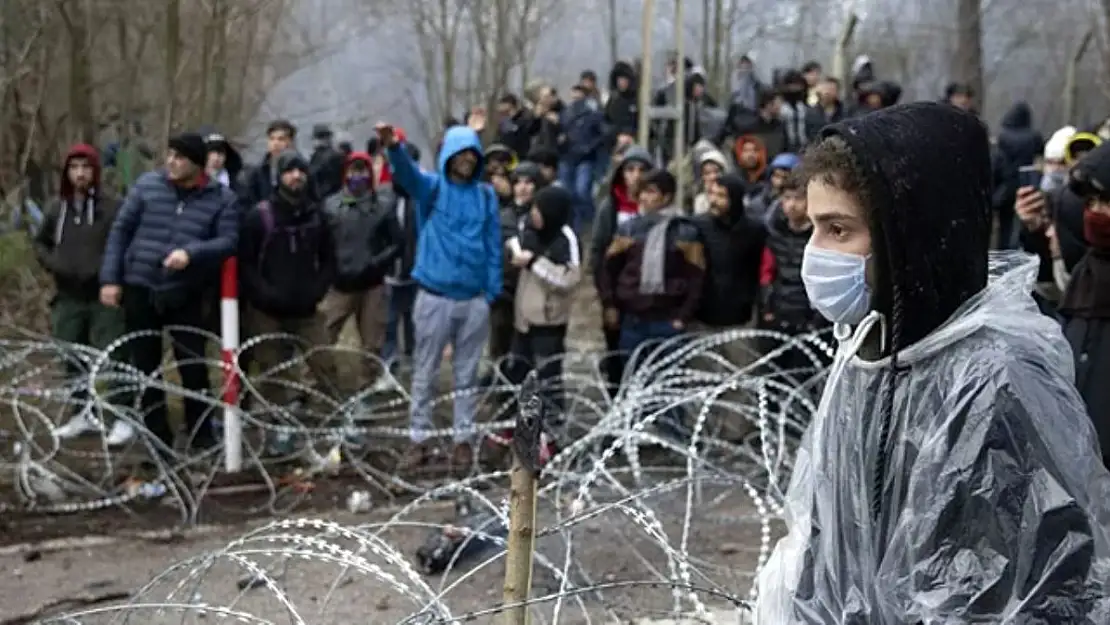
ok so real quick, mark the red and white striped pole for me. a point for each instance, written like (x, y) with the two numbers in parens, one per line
(229, 343)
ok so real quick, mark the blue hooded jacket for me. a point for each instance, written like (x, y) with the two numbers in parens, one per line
(458, 249)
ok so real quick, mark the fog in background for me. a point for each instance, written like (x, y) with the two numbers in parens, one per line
(372, 67)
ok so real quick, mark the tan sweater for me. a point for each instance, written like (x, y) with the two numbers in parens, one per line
(546, 289)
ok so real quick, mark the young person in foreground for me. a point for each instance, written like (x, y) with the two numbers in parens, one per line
(951, 474)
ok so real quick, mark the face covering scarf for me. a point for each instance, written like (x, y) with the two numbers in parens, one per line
(358, 183)
(836, 284)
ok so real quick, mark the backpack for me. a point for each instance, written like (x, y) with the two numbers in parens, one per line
(487, 194)
(269, 225)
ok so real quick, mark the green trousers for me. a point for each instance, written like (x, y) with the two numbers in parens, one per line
(86, 322)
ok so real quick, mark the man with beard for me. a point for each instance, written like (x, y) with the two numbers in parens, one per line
(287, 263)
(70, 245)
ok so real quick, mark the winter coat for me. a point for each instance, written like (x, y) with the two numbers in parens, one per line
(157, 218)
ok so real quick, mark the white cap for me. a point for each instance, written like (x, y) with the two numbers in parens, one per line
(1056, 148)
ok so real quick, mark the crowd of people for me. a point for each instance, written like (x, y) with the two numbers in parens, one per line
(481, 254)
(954, 471)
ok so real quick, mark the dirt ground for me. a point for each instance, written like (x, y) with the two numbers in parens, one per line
(609, 549)
(609, 553)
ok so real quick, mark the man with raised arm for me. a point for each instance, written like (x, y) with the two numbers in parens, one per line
(458, 271)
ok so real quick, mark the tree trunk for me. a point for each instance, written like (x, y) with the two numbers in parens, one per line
(967, 64)
(82, 126)
(172, 47)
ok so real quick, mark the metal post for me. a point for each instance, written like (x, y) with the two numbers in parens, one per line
(229, 339)
(680, 105)
(646, 27)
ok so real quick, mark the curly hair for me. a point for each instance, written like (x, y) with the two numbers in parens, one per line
(793, 182)
(832, 162)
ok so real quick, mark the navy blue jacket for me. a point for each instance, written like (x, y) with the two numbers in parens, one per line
(155, 221)
(583, 124)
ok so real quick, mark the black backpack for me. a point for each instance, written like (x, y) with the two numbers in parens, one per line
(269, 226)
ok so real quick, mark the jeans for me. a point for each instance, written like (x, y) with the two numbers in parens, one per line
(401, 298)
(634, 333)
(579, 179)
(601, 164)
(463, 324)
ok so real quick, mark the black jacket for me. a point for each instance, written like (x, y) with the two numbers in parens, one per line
(326, 170)
(742, 121)
(733, 250)
(286, 270)
(1018, 140)
(621, 110)
(368, 239)
(817, 118)
(405, 214)
(511, 225)
(70, 244)
(785, 297)
(516, 133)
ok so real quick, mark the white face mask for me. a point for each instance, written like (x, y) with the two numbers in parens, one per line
(836, 283)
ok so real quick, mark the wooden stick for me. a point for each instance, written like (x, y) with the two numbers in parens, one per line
(518, 557)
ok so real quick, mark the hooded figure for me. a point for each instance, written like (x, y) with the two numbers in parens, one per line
(70, 245)
(621, 109)
(733, 247)
(708, 162)
(459, 273)
(550, 258)
(326, 163)
(231, 164)
(1020, 143)
(951, 474)
(1085, 305)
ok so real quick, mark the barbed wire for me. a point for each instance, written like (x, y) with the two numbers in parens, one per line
(622, 477)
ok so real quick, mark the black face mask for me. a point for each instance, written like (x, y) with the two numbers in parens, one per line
(793, 97)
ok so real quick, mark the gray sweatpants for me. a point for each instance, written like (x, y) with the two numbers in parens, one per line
(439, 322)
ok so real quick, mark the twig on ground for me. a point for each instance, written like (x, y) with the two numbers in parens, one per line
(86, 598)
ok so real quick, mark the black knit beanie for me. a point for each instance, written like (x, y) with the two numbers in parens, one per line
(192, 146)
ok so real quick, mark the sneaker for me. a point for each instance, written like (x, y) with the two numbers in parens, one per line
(383, 384)
(279, 444)
(79, 425)
(121, 433)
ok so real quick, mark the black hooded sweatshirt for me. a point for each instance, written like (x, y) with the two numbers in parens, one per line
(621, 111)
(1019, 142)
(733, 250)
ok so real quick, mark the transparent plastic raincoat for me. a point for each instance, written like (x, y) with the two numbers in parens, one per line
(995, 497)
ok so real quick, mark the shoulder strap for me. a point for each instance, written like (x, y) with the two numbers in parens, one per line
(433, 198)
(266, 213)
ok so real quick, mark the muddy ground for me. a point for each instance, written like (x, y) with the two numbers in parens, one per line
(723, 545)
(610, 552)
